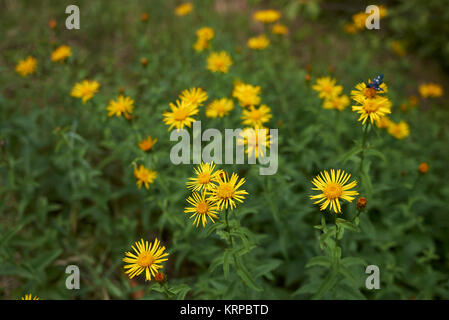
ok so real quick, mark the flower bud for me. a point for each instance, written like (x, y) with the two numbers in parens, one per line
(361, 203)
(159, 277)
(423, 168)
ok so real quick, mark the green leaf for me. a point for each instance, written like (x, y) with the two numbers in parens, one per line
(327, 284)
(246, 277)
(322, 261)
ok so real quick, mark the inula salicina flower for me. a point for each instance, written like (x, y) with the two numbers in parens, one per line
(184, 9)
(258, 43)
(122, 106)
(180, 115)
(327, 88)
(61, 53)
(226, 192)
(219, 62)
(205, 176)
(256, 117)
(147, 144)
(26, 66)
(432, 90)
(246, 94)
(255, 141)
(267, 16)
(333, 187)
(29, 297)
(219, 108)
(147, 257)
(201, 208)
(85, 90)
(144, 176)
(399, 130)
(194, 96)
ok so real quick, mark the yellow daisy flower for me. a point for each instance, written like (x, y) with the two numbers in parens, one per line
(372, 109)
(85, 90)
(279, 28)
(180, 115)
(226, 193)
(249, 137)
(201, 45)
(219, 62)
(194, 96)
(433, 90)
(258, 43)
(383, 122)
(205, 33)
(61, 53)
(256, 117)
(338, 102)
(147, 257)
(26, 66)
(363, 92)
(359, 20)
(399, 130)
(247, 94)
(333, 188)
(144, 176)
(123, 105)
(201, 209)
(147, 144)
(219, 108)
(267, 16)
(327, 87)
(204, 177)
(184, 9)
(29, 297)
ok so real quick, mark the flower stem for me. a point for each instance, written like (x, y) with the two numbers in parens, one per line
(362, 156)
(228, 229)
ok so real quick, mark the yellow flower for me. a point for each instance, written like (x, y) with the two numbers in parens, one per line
(144, 176)
(247, 94)
(201, 208)
(61, 53)
(383, 122)
(123, 105)
(29, 297)
(146, 257)
(350, 28)
(430, 90)
(279, 28)
(184, 9)
(267, 16)
(219, 108)
(363, 92)
(250, 138)
(205, 33)
(372, 109)
(201, 45)
(398, 48)
(399, 130)
(327, 87)
(204, 177)
(333, 188)
(338, 102)
(26, 66)
(147, 144)
(382, 11)
(180, 115)
(219, 62)
(256, 117)
(359, 20)
(258, 43)
(226, 193)
(85, 90)
(194, 96)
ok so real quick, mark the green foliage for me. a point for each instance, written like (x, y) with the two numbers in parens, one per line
(68, 194)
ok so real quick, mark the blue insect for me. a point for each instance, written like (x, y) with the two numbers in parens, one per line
(375, 84)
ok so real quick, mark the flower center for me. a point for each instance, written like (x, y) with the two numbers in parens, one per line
(180, 114)
(202, 208)
(145, 259)
(369, 93)
(204, 178)
(225, 191)
(371, 106)
(255, 115)
(333, 190)
(326, 88)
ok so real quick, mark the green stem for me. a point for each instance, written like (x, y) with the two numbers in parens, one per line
(362, 156)
(228, 229)
(336, 232)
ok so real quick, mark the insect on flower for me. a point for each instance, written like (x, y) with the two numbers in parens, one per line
(375, 84)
